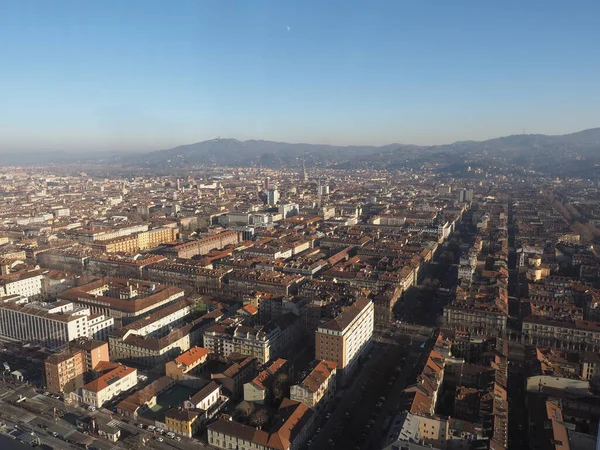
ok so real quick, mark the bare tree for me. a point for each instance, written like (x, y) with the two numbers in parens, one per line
(280, 385)
(259, 418)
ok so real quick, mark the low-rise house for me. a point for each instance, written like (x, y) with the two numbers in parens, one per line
(268, 384)
(182, 421)
(145, 398)
(190, 361)
(205, 398)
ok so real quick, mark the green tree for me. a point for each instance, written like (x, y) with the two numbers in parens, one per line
(199, 306)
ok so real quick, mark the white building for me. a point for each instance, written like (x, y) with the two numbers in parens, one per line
(27, 284)
(272, 196)
(51, 325)
(289, 210)
(205, 398)
(109, 386)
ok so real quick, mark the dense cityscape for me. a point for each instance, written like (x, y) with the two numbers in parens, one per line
(304, 308)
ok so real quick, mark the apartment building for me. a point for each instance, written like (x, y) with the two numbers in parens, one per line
(109, 386)
(92, 234)
(264, 281)
(317, 389)
(204, 245)
(52, 325)
(574, 335)
(64, 371)
(262, 342)
(94, 351)
(124, 300)
(481, 310)
(346, 338)
(187, 273)
(27, 284)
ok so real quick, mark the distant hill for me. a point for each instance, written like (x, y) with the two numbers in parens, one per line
(570, 152)
(575, 153)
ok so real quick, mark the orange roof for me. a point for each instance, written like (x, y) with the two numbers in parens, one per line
(105, 380)
(250, 309)
(193, 355)
(103, 366)
(319, 375)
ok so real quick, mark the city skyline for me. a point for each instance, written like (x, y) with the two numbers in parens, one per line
(150, 76)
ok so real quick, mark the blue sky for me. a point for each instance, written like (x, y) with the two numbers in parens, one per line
(144, 75)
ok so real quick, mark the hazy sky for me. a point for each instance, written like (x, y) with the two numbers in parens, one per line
(144, 75)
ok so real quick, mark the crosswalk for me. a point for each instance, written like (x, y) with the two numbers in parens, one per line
(6, 394)
(27, 417)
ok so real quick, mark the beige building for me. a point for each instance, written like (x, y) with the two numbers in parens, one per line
(344, 339)
(317, 389)
(577, 335)
(186, 363)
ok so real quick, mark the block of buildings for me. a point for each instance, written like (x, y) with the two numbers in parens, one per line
(163, 343)
(293, 428)
(124, 300)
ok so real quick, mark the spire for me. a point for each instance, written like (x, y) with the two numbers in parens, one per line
(304, 173)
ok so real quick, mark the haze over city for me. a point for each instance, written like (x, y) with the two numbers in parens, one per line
(142, 76)
(272, 225)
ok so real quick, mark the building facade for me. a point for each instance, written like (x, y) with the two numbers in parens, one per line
(346, 338)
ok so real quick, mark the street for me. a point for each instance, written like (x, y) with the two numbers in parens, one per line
(37, 414)
(357, 421)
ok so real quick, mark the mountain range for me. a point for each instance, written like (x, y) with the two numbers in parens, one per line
(573, 153)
